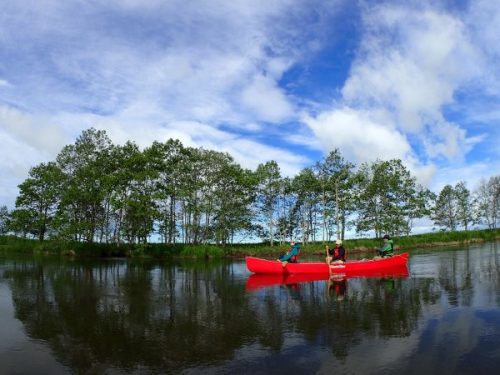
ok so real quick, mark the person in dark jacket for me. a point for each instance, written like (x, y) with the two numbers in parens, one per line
(337, 254)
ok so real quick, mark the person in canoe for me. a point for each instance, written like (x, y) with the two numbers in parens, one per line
(335, 255)
(387, 250)
(292, 255)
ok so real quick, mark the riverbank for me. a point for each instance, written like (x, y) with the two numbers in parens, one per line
(12, 244)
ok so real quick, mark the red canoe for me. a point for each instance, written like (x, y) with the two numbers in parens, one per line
(350, 268)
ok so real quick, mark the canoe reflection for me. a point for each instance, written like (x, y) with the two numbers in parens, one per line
(337, 287)
(258, 281)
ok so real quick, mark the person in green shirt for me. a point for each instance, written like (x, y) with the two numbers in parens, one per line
(387, 250)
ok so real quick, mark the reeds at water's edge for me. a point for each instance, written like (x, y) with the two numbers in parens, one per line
(13, 244)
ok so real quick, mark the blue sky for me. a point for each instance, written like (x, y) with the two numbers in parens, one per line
(263, 80)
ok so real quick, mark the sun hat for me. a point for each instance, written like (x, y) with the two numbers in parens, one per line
(338, 242)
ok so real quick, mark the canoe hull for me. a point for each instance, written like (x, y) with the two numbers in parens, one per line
(352, 267)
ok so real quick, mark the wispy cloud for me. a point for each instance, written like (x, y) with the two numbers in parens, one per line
(207, 61)
(152, 71)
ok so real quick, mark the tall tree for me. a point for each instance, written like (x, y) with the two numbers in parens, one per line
(234, 193)
(40, 194)
(120, 179)
(464, 204)
(4, 220)
(287, 223)
(140, 207)
(487, 202)
(445, 211)
(323, 176)
(85, 165)
(336, 181)
(268, 177)
(386, 195)
(172, 162)
(307, 188)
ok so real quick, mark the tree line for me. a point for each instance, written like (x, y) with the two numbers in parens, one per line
(96, 191)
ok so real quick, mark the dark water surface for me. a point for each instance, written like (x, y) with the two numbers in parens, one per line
(59, 316)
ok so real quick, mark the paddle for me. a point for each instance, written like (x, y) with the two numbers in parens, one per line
(327, 260)
(337, 265)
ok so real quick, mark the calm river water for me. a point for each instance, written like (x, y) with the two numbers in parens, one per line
(59, 316)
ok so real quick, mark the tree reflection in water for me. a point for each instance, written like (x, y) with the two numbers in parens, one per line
(132, 316)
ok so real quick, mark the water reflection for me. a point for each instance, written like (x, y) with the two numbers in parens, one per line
(128, 315)
(189, 317)
(257, 281)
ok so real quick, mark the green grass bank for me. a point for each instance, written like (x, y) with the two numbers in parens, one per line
(11, 244)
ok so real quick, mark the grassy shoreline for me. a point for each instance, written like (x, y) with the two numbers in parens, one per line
(10, 244)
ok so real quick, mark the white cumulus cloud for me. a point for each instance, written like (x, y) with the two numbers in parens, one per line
(412, 62)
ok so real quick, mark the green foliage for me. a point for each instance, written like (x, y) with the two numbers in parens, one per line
(445, 210)
(96, 193)
(200, 251)
(336, 183)
(464, 204)
(4, 220)
(487, 202)
(306, 187)
(451, 237)
(16, 244)
(453, 207)
(81, 205)
(388, 198)
(37, 201)
(268, 186)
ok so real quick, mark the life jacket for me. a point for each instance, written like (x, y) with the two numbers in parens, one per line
(389, 252)
(335, 252)
(294, 258)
